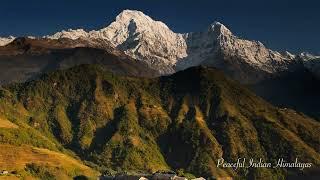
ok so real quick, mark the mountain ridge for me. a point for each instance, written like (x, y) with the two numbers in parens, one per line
(24, 59)
(186, 120)
(175, 50)
(150, 41)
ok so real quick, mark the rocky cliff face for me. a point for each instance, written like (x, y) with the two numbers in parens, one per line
(145, 39)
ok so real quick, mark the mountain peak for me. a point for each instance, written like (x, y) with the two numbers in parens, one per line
(308, 55)
(219, 28)
(126, 17)
(131, 14)
(70, 34)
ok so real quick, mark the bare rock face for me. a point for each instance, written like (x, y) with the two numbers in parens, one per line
(150, 41)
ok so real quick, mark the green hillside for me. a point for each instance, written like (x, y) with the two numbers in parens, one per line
(184, 121)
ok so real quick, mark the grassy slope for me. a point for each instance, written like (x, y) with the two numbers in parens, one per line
(187, 120)
(58, 164)
(4, 123)
(21, 144)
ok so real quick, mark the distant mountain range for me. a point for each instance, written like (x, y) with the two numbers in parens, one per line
(152, 42)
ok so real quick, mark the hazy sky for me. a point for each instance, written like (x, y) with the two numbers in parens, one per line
(280, 24)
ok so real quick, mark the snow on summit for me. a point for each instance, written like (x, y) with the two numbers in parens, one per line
(151, 41)
(6, 40)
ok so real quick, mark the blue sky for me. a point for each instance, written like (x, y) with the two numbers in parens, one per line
(280, 24)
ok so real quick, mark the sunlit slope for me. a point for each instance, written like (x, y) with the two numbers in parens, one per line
(184, 121)
(19, 158)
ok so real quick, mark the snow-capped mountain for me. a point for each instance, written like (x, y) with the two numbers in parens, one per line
(140, 37)
(6, 40)
(152, 41)
(145, 39)
(69, 34)
(244, 60)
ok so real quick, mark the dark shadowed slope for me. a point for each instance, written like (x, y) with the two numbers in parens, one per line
(299, 90)
(25, 59)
